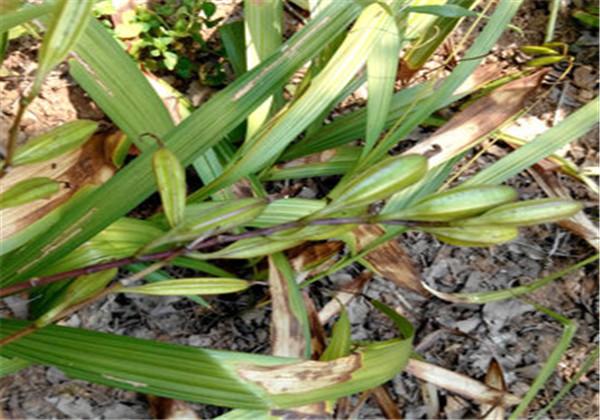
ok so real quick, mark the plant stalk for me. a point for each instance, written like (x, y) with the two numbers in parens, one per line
(182, 250)
(13, 132)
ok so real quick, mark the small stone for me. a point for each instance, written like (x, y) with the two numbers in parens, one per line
(585, 77)
(467, 325)
(55, 376)
(497, 314)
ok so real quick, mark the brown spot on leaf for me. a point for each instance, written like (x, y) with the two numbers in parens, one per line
(317, 333)
(287, 334)
(321, 157)
(85, 165)
(301, 377)
(308, 412)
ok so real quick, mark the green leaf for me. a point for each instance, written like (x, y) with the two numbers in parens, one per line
(352, 126)
(545, 61)
(482, 45)
(262, 25)
(128, 30)
(209, 8)
(124, 95)
(77, 291)
(432, 37)
(24, 14)
(4, 38)
(249, 248)
(287, 210)
(9, 366)
(457, 203)
(232, 36)
(159, 275)
(55, 142)
(446, 10)
(121, 239)
(526, 213)
(330, 162)
(340, 342)
(588, 19)
(189, 286)
(67, 24)
(38, 227)
(213, 217)
(476, 236)
(170, 180)
(28, 190)
(382, 66)
(216, 377)
(170, 60)
(378, 182)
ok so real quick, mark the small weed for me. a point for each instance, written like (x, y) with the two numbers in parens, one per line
(167, 37)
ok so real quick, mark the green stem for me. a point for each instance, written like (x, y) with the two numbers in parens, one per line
(554, 6)
(587, 364)
(570, 327)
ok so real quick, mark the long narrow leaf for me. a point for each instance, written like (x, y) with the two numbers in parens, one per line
(272, 139)
(24, 14)
(124, 95)
(221, 378)
(504, 12)
(69, 21)
(262, 23)
(189, 140)
(290, 330)
(382, 65)
(571, 128)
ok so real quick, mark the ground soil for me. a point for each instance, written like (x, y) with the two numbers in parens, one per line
(460, 337)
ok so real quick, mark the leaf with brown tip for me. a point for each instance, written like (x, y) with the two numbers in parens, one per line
(289, 322)
(390, 260)
(494, 377)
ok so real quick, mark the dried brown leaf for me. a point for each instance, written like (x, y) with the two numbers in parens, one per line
(386, 404)
(317, 333)
(484, 116)
(287, 338)
(83, 166)
(494, 378)
(482, 75)
(302, 376)
(344, 296)
(169, 409)
(390, 260)
(313, 258)
(460, 384)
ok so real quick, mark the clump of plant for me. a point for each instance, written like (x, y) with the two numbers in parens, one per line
(67, 255)
(166, 36)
